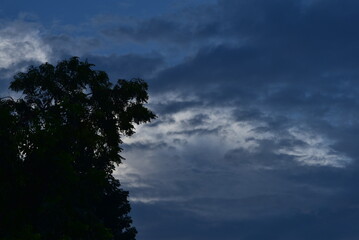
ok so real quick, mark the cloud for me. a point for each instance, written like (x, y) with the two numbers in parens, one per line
(322, 224)
(65, 45)
(258, 124)
(257, 114)
(183, 27)
(128, 66)
(21, 42)
(314, 151)
(246, 168)
(21, 45)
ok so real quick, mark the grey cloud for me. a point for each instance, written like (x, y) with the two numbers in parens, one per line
(65, 45)
(196, 131)
(128, 66)
(296, 54)
(167, 107)
(163, 119)
(21, 44)
(218, 78)
(251, 73)
(264, 157)
(316, 29)
(145, 146)
(197, 120)
(243, 184)
(324, 223)
(275, 66)
(191, 24)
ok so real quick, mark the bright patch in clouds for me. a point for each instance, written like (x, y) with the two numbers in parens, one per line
(196, 141)
(21, 43)
(316, 150)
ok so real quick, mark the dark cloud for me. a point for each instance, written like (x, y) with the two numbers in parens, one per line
(163, 119)
(66, 45)
(318, 225)
(257, 117)
(197, 120)
(287, 52)
(224, 73)
(283, 156)
(197, 131)
(128, 66)
(146, 146)
(168, 107)
(298, 66)
(192, 24)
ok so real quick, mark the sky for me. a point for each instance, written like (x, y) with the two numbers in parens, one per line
(257, 104)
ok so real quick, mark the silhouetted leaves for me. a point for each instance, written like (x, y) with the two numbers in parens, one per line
(60, 142)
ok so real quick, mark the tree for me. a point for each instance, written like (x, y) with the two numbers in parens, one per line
(59, 145)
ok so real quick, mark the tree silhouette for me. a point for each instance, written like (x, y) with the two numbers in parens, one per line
(59, 145)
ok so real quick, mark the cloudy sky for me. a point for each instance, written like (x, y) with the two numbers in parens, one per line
(257, 104)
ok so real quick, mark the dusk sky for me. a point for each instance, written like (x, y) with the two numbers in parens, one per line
(257, 104)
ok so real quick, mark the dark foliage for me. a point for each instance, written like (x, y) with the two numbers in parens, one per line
(60, 142)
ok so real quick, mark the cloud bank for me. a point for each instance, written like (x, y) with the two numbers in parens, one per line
(257, 113)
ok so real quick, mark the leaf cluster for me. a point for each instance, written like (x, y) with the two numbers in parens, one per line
(60, 142)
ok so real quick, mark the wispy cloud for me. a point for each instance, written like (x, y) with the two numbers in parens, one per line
(19, 42)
